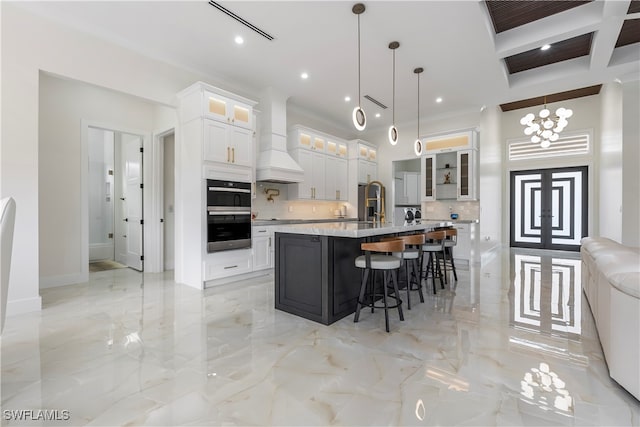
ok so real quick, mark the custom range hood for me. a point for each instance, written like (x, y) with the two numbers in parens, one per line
(273, 161)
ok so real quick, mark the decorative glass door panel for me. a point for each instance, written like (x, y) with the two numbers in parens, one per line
(549, 208)
(463, 168)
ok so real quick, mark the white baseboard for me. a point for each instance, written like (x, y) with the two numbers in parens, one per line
(62, 280)
(238, 278)
(25, 305)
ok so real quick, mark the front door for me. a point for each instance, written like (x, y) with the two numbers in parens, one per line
(549, 208)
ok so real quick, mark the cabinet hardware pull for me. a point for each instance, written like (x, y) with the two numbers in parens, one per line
(230, 266)
(233, 155)
(269, 241)
(228, 154)
(262, 231)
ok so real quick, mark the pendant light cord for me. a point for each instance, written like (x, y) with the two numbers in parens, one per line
(394, 88)
(359, 100)
(418, 106)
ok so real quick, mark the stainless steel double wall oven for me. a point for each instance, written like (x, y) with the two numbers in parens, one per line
(228, 215)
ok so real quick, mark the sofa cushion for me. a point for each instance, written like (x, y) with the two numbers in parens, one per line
(628, 283)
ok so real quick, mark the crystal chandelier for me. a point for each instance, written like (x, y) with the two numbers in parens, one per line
(544, 128)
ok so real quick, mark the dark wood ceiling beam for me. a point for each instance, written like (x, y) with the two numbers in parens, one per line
(551, 98)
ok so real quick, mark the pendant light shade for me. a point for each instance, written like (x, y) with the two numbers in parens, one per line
(358, 116)
(393, 131)
(417, 145)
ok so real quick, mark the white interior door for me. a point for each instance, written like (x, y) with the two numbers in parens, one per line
(132, 154)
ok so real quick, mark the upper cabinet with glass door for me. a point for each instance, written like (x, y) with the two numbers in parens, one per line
(449, 169)
(305, 138)
(201, 100)
(337, 148)
(228, 110)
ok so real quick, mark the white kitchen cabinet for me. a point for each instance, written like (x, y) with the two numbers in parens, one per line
(449, 176)
(262, 247)
(227, 144)
(219, 265)
(462, 249)
(216, 128)
(336, 174)
(407, 186)
(228, 110)
(367, 171)
(313, 185)
(428, 182)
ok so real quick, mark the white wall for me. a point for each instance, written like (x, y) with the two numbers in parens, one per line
(33, 43)
(491, 185)
(630, 163)
(610, 162)
(64, 104)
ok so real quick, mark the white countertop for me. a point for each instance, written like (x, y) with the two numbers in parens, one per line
(350, 229)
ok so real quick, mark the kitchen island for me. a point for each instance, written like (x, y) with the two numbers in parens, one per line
(315, 274)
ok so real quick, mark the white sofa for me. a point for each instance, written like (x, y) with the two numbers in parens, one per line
(611, 283)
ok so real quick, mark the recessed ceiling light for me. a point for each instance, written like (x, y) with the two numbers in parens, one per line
(304, 76)
(347, 98)
(239, 40)
(545, 47)
(378, 115)
(439, 99)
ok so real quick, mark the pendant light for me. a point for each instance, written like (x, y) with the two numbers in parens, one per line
(358, 116)
(417, 145)
(393, 131)
(545, 128)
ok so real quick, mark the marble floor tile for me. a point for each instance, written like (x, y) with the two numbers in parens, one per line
(510, 343)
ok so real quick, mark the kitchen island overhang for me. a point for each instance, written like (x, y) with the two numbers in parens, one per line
(315, 273)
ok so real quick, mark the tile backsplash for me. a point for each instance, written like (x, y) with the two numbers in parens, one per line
(443, 210)
(282, 208)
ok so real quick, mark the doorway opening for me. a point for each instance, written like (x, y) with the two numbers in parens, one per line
(549, 208)
(115, 200)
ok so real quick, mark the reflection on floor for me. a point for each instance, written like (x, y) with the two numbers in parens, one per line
(512, 343)
(104, 265)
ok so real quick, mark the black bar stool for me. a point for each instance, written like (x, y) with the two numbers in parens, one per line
(412, 255)
(389, 264)
(434, 247)
(449, 243)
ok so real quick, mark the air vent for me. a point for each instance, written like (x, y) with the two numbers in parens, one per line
(375, 101)
(570, 145)
(241, 20)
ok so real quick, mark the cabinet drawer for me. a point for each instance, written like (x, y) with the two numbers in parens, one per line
(225, 264)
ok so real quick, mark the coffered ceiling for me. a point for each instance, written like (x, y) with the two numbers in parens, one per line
(474, 53)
